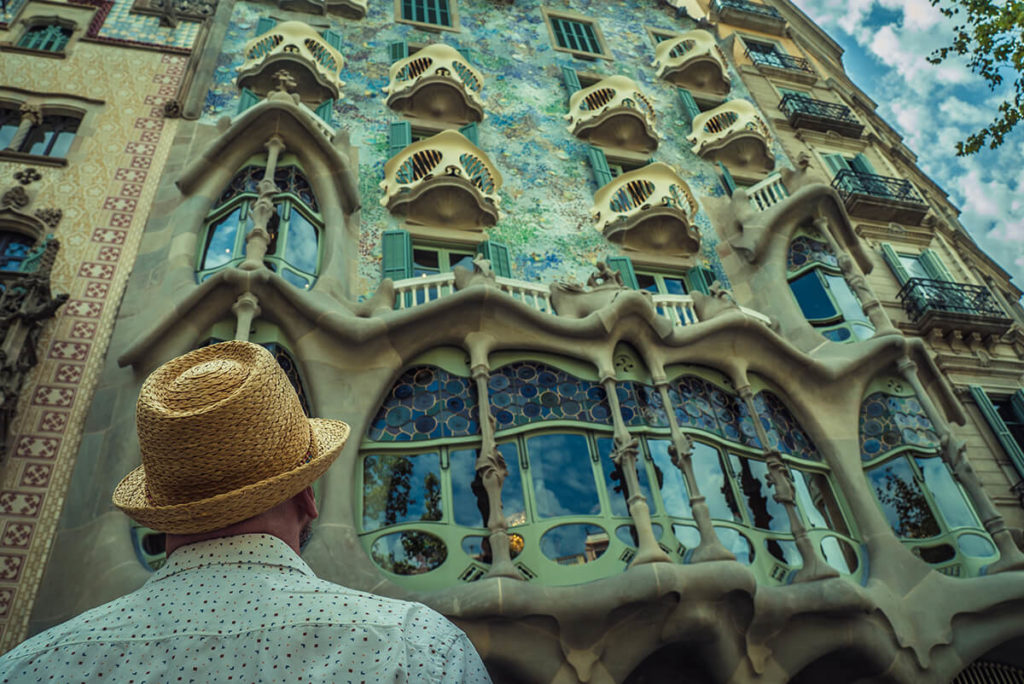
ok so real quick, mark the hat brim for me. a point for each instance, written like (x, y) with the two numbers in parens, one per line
(228, 508)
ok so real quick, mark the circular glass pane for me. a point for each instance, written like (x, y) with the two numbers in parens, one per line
(737, 543)
(975, 545)
(479, 548)
(687, 536)
(840, 554)
(409, 553)
(940, 553)
(574, 544)
(627, 534)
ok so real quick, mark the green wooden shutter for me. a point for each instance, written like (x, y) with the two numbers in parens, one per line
(727, 181)
(1017, 404)
(835, 163)
(264, 25)
(333, 38)
(247, 100)
(624, 265)
(861, 164)
(1002, 433)
(893, 259)
(396, 248)
(397, 50)
(326, 111)
(690, 108)
(498, 255)
(599, 163)
(471, 132)
(572, 79)
(700, 279)
(399, 137)
(936, 269)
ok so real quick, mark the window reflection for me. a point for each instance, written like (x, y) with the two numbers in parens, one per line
(563, 480)
(670, 478)
(469, 498)
(574, 544)
(946, 493)
(400, 488)
(762, 508)
(737, 543)
(707, 467)
(615, 479)
(409, 553)
(903, 502)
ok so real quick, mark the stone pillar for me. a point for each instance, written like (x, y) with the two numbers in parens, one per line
(954, 454)
(624, 456)
(492, 470)
(857, 282)
(710, 547)
(245, 308)
(258, 239)
(781, 479)
(31, 115)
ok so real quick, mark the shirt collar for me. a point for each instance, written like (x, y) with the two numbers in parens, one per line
(239, 549)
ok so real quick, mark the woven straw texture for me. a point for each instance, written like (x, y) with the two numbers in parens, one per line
(223, 438)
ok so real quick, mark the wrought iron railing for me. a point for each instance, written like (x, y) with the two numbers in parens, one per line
(779, 60)
(749, 7)
(848, 182)
(799, 104)
(921, 295)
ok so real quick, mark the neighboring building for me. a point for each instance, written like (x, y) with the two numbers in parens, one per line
(753, 395)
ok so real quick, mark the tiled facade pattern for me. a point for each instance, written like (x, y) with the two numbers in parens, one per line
(113, 171)
(115, 21)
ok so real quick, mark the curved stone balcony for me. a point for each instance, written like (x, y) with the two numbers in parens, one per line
(437, 83)
(444, 180)
(294, 47)
(613, 113)
(350, 9)
(694, 61)
(735, 134)
(650, 209)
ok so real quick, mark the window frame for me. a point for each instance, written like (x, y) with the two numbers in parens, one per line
(563, 15)
(453, 16)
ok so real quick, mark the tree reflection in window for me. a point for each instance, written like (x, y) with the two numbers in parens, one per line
(294, 248)
(409, 552)
(563, 480)
(400, 488)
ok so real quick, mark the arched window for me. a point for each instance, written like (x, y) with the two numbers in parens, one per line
(294, 250)
(827, 302)
(424, 508)
(46, 37)
(917, 493)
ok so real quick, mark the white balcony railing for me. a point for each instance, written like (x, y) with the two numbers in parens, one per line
(436, 64)
(767, 192)
(291, 44)
(732, 119)
(676, 308)
(693, 59)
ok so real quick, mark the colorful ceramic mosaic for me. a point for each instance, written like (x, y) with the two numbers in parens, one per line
(548, 183)
(702, 405)
(804, 250)
(530, 392)
(888, 422)
(783, 431)
(641, 405)
(121, 24)
(427, 403)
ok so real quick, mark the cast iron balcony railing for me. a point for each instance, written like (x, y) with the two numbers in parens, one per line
(806, 112)
(748, 15)
(879, 197)
(779, 60)
(748, 7)
(945, 304)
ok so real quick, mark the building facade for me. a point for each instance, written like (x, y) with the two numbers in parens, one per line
(662, 357)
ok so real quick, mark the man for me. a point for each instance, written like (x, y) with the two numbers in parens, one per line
(227, 461)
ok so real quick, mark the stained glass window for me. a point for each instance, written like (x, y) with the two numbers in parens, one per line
(427, 403)
(888, 422)
(821, 291)
(527, 392)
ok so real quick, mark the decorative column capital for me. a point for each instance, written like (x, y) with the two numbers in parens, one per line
(32, 113)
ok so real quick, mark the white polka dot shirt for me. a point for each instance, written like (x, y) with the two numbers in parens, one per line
(247, 609)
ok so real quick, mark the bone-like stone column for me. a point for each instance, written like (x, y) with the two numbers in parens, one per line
(858, 283)
(710, 547)
(245, 308)
(258, 239)
(492, 470)
(781, 479)
(954, 454)
(31, 115)
(624, 456)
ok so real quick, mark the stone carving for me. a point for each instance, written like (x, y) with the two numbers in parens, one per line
(171, 12)
(577, 301)
(482, 274)
(717, 301)
(27, 176)
(15, 197)
(172, 109)
(50, 216)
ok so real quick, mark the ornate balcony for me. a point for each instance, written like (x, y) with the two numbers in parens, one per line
(650, 209)
(693, 60)
(438, 83)
(953, 306)
(294, 47)
(613, 112)
(350, 9)
(879, 197)
(768, 192)
(816, 115)
(734, 134)
(749, 15)
(444, 180)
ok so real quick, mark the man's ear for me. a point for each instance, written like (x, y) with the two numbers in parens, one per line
(307, 503)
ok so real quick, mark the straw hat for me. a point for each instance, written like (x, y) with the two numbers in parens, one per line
(223, 438)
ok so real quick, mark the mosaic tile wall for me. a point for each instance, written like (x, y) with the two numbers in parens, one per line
(120, 24)
(105, 193)
(548, 184)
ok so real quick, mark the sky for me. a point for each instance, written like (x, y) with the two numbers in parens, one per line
(886, 43)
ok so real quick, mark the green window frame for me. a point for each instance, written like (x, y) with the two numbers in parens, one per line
(577, 35)
(662, 282)
(295, 250)
(431, 12)
(1006, 420)
(51, 37)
